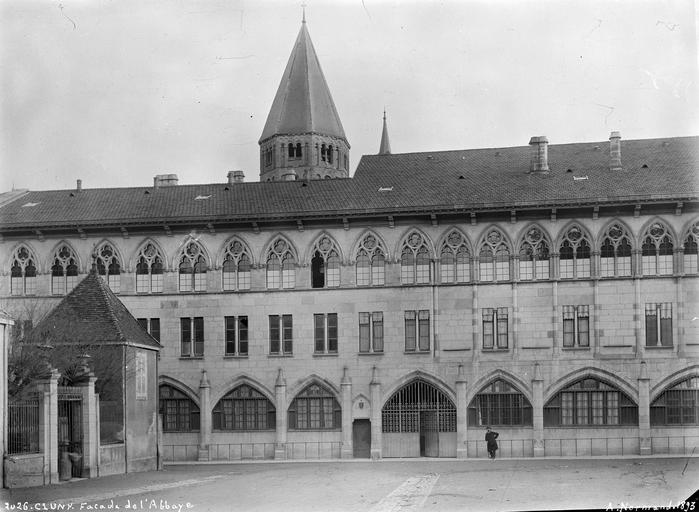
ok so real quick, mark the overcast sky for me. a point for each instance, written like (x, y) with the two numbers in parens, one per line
(115, 92)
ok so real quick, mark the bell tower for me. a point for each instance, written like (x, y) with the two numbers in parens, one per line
(303, 137)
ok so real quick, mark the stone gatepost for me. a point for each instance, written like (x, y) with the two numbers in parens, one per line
(644, 439)
(347, 450)
(538, 411)
(48, 424)
(90, 428)
(461, 415)
(280, 396)
(204, 417)
(376, 444)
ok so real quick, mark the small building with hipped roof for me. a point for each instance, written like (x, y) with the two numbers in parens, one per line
(91, 336)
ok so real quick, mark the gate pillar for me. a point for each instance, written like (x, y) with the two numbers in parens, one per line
(48, 387)
(461, 416)
(90, 426)
(376, 445)
(280, 396)
(347, 450)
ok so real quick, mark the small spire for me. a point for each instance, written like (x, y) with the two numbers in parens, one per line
(303, 6)
(385, 147)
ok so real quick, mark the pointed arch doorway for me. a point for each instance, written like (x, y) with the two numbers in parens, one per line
(419, 420)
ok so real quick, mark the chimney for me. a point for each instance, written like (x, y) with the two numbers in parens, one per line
(615, 151)
(80, 185)
(165, 180)
(539, 154)
(236, 177)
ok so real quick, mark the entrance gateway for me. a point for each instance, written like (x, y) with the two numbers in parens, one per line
(70, 428)
(419, 420)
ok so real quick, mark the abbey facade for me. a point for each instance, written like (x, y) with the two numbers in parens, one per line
(547, 291)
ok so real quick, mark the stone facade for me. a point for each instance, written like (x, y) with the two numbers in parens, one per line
(534, 361)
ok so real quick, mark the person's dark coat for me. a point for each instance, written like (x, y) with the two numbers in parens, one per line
(491, 437)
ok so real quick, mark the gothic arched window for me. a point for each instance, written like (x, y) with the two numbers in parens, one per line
(656, 250)
(415, 260)
(108, 266)
(244, 409)
(494, 255)
(371, 262)
(677, 405)
(574, 254)
(315, 408)
(149, 270)
(64, 271)
(499, 403)
(454, 259)
(615, 252)
(23, 272)
(281, 266)
(325, 264)
(236, 266)
(590, 402)
(691, 259)
(534, 258)
(179, 412)
(192, 268)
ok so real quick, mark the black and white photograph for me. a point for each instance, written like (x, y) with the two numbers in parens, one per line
(349, 255)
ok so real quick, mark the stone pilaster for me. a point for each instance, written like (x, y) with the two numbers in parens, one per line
(376, 444)
(280, 396)
(461, 416)
(644, 439)
(538, 411)
(347, 449)
(205, 417)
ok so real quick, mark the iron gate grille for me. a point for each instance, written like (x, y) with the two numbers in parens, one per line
(70, 427)
(419, 407)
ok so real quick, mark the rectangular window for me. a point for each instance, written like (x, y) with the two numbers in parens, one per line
(495, 328)
(325, 328)
(526, 270)
(192, 337)
(417, 331)
(664, 264)
(377, 331)
(371, 332)
(410, 331)
(502, 328)
(151, 326)
(236, 328)
(542, 269)
(488, 328)
(185, 337)
(377, 271)
(424, 330)
(280, 334)
(199, 281)
(606, 266)
(576, 326)
(486, 270)
(624, 266)
(659, 324)
(407, 273)
(142, 283)
(691, 264)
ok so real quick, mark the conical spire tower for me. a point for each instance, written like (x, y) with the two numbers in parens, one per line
(385, 147)
(303, 136)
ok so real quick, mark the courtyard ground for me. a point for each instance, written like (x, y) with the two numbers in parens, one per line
(404, 485)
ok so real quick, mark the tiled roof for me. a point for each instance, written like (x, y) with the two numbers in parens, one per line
(91, 314)
(303, 103)
(440, 181)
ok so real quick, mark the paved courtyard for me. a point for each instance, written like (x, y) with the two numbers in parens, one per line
(388, 485)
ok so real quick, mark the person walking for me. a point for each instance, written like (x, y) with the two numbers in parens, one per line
(490, 438)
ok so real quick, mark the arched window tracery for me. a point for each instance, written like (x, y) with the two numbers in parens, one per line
(108, 266)
(371, 262)
(192, 268)
(455, 259)
(149, 269)
(657, 250)
(574, 254)
(23, 272)
(494, 257)
(615, 252)
(64, 271)
(281, 266)
(325, 264)
(415, 260)
(237, 265)
(534, 256)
